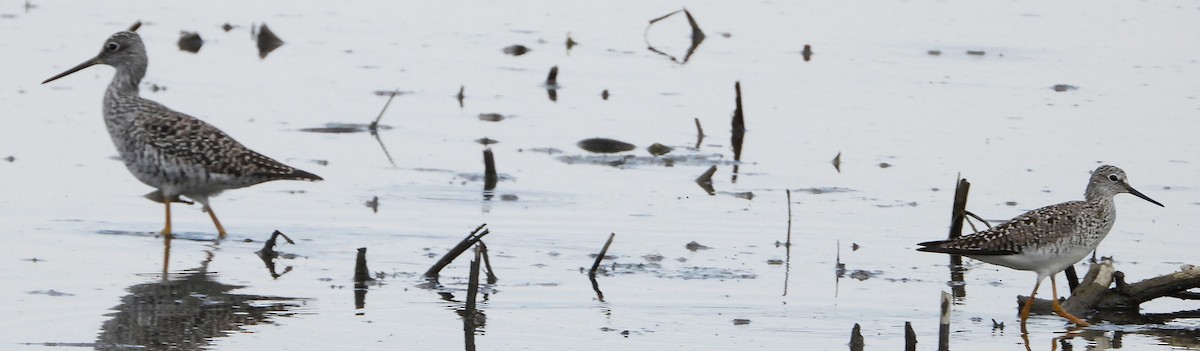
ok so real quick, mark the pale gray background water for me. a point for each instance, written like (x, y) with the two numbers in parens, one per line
(871, 92)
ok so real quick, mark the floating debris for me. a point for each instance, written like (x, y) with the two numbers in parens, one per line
(51, 292)
(976, 52)
(508, 197)
(485, 141)
(837, 162)
(516, 50)
(694, 246)
(491, 117)
(741, 321)
(460, 95)
(373, 204)
(190, 41)
(227, 27)
(489, 170)
(570, 42)
(659, 149)
(824, 190)
(744, 195)
(705, 180)
(807, 52)
(934, 52)
(267, 41)
(884, 165)
(854, 247)
(697, 36)
(604, 95)
(604, 145)
(1064, 87)
(775, 262)
(1010, 203)
(10, 158)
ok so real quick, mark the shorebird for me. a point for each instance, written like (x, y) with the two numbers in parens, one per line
(1049, 239)
(175, 153)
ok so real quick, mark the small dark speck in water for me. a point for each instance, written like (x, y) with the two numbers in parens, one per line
(854, 247)
(976, 52)
(884, 165)
(227, 27)
(508, 197)
(1063, 87)
(10, 158)
(1010, 203)
(741, 321)
(604, 94)
(34, 260)
(934, 52)
(516, 50)
(775, 262)
(659, 149)
(693, 246)
(321, 162)
(861, 274)
(653, 258)
(486, 141)
(51, 292)
(491, 117)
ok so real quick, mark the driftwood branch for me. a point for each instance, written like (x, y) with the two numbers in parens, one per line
(1104, 289)
(462, 246)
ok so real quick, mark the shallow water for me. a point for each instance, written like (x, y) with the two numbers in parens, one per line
(80, 250)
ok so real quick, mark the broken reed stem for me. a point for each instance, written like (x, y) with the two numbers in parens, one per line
(361, 273)
(697, 34)
(739, 123)
(856, 338)
(552, 78)
(374, 127)
(489, 170)
(462, 246)
(487, 263)
(956, 215)
(910, 337)
(600, 257)
(944, 323)
(269, 247)
(699, 130)
(469, 310)
(789, 221)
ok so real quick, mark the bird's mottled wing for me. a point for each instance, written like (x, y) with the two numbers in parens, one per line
(1036, 228)
(190, 141)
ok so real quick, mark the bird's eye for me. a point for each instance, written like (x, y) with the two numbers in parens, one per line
(112, 47)
(1113, 177)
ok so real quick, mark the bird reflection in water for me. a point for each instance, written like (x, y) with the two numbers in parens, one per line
(185, 310)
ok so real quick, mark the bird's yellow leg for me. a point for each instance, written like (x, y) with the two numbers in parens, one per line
(167, 228)
(1029, 305)
(1058, 308)
(213, 215)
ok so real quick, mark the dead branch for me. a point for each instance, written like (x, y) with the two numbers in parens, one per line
(600, 257)
(1095, 293)
(462, 246)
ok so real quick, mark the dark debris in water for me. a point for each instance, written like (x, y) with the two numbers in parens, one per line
(51, 292)
(516, 50)
(657, 149)
(634, 161)
(267, 41)
(1063, 87)
(190, 41)
(491, 117)
(486, 141)
(693, 246)
(342, 128)
(604, 145)
(741, 321)
(824, 190)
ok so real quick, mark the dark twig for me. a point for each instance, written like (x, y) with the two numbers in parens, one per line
(489, 170)
(789, 219)
(487, 263)
(944, 324)
(705, 180)
(699, 133)
(462, 246)
(374, 126)
(469, 313)
(739, 123)
(600, 257)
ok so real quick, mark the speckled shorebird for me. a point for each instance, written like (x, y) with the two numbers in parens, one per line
(1049, 239)
(168, 150)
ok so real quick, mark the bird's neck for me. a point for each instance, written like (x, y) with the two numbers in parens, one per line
(125, 81)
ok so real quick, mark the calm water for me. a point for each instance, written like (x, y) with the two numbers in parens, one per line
(84, 269)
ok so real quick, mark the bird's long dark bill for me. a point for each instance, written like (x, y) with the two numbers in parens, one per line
(85, 64)
(1143, 196)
